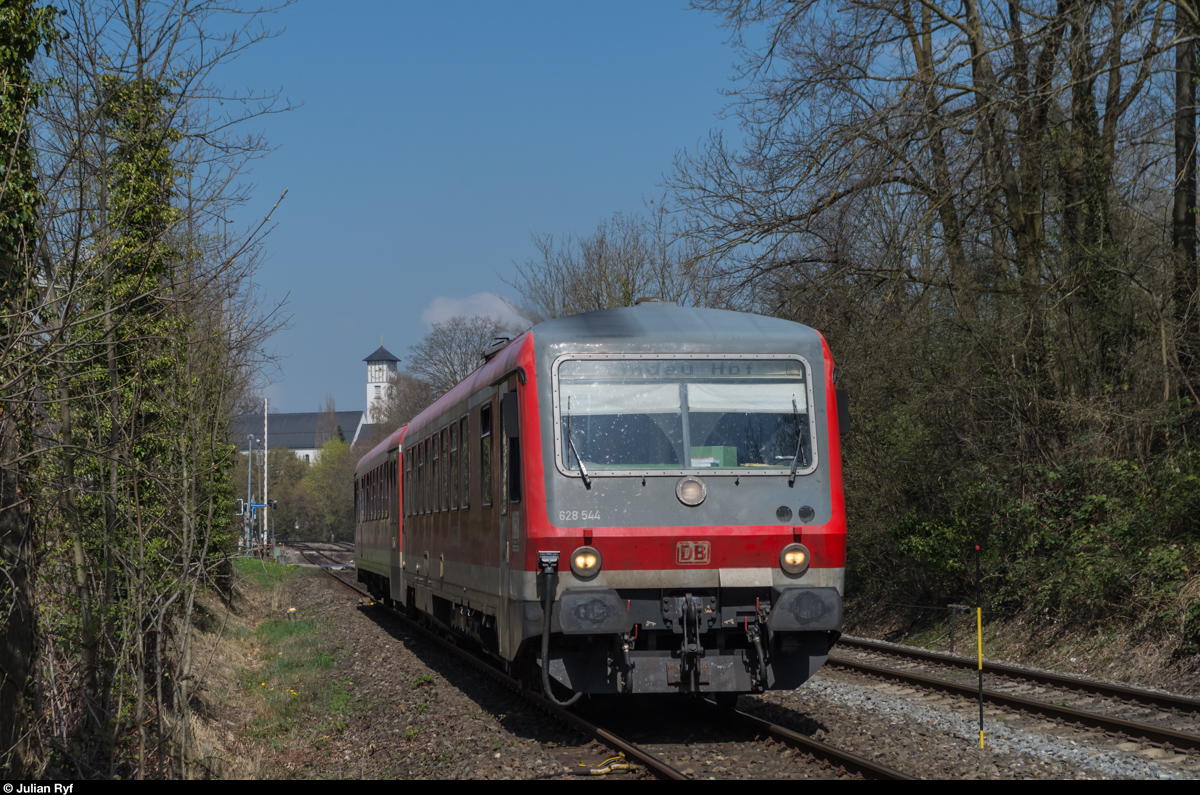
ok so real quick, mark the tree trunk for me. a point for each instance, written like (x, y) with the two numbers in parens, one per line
(17, 616)
(1183, 227)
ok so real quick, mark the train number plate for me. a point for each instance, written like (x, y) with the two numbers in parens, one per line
(692, 553)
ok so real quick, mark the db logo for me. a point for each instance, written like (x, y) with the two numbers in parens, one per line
(692, 553)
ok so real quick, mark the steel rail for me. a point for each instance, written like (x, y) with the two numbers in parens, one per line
(339, 580)
(303, 547)
(1154, 734)
(1168, 700)
(821, 750)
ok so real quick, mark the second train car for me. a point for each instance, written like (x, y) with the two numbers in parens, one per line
(664, 482)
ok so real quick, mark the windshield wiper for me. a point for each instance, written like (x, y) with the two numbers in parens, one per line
(799, 443)
(587, 481)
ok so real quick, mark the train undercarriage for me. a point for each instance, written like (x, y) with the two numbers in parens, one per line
(701, 641)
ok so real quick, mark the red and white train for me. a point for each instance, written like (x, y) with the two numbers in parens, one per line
(664, 483)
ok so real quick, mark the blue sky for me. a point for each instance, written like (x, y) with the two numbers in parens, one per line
(432, 140)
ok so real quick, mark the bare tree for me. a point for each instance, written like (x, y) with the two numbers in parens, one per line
(1001, 163)
(327, 424)
(407, 397)
(452, 350)
(628, 257)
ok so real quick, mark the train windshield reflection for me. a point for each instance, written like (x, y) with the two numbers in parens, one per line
(693, 414)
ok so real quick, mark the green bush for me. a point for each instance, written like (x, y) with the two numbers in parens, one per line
(1089, 542)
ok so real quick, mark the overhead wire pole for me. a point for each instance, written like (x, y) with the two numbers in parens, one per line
(249, 492)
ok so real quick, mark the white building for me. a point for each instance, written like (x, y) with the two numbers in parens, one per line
(381, 366)
(297, 432)
(300, 432)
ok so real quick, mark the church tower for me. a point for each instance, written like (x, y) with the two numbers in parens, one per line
(380, 366)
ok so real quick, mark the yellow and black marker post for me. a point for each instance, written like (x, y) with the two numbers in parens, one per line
(979, 635)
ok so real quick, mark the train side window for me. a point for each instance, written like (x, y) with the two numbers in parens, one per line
(444, 480)
(446, 467)
(465, 451)
(510, 463)
(454, 466)
(431, 491)
(420, 506)
(485, 453)
(438, 467)
(503, 465)
(514, 469)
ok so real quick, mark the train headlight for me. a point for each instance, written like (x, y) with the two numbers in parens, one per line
(585, 562)
(691, 490)
(794, 559)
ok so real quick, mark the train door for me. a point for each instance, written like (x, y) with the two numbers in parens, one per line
(510, 499)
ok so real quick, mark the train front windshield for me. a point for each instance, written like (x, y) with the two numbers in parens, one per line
(693, 414)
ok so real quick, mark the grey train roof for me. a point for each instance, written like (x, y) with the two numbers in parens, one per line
(655, 325)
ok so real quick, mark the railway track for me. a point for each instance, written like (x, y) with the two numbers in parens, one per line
(1161, 719)
(815, 759)
(324, 549)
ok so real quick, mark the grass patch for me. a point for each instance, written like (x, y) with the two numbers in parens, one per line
(339, 698)
(265, 574)
(291, 680)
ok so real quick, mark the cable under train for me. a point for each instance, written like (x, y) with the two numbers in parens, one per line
(664, 482)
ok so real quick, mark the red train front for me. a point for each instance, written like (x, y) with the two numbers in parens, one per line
(666, 481)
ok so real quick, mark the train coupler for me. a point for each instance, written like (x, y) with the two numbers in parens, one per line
(624, 673)
(754, 636)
